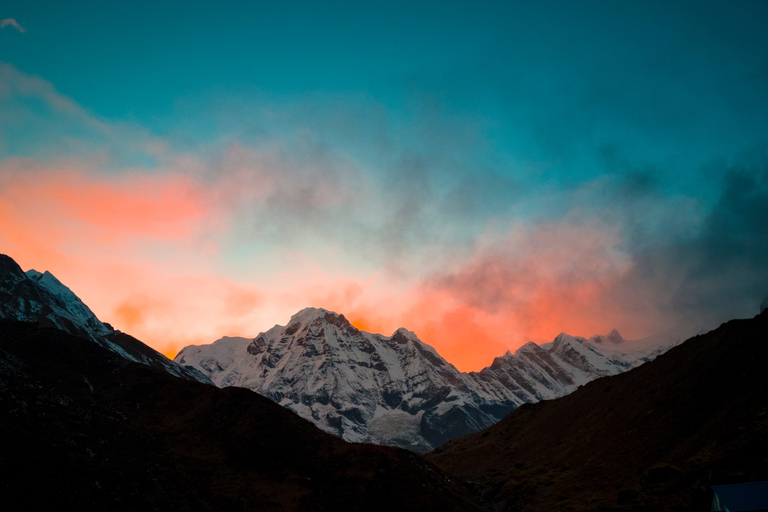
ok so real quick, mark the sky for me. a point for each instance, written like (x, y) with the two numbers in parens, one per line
(481, 173)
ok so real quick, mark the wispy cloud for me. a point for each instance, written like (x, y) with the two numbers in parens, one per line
(12, 22)
(233, 238)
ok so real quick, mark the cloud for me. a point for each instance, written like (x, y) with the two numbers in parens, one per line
(12, 22)
(718, 272)
(70, 195)
(37, 121)
(140, 249)
(530, 283)
(16, 83)
(475, 255)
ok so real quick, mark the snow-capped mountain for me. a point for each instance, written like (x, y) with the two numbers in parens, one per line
(397, 390)
(38, 297)
(550, 370)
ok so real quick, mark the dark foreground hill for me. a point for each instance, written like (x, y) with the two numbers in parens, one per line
(653, 438)
(84, 428)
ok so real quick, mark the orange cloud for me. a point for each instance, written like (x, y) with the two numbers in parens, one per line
(531, 284)
(130, 315)
(110, 238)
(164, 206)
(144, 252)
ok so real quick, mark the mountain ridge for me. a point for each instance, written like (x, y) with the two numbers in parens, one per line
(398, 390)
(39, 297)
(91, 430)
(653, 438)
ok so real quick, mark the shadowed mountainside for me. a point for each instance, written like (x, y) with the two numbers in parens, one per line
(85, 427)
(649, 439)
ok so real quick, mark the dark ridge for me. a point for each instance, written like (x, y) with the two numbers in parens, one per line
(653, 438)
(8, 266)
(87, 429)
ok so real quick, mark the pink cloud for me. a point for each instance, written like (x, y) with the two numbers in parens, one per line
(237, 243)
(12, 22)
(144, 250)
(65, 198)
(113, 239)
(529, 284)
(149, 251)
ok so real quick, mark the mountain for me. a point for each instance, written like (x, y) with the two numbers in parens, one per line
(87, 429)
(41, 298)
(653, 438)
(397, 390)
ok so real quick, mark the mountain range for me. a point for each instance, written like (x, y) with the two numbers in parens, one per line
(93, 419)
(654, 438)
(397, 390)
(363, 387)
(86, 429)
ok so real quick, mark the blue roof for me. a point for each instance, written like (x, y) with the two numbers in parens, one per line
(747, 497)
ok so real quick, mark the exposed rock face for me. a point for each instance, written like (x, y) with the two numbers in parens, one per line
(41, 298)
(397, 390)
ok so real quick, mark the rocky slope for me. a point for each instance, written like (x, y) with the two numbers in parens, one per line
(397, 390)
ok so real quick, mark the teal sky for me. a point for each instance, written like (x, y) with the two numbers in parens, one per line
(429, 141)
(552, 82)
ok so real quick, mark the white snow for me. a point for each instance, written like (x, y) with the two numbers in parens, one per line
(378, 387)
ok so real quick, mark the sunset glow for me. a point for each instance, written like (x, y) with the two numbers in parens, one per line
(494, 176)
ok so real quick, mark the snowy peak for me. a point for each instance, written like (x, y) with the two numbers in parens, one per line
(318, 318)
(394, 390)
(361, 386)
(71, 302)
(308, 315)
(40, 298)
(403, 333)
(612, 338)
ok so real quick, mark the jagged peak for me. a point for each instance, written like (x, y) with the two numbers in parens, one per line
(528, 347)
(308, 316)
(500, 360)
(562, 341)
(612, 337)
(405, 332)
(403, 335)
(34, 274)
(9, 267)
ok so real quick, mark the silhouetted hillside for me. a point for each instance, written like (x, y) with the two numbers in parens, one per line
(649, 439)
(85, 428)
